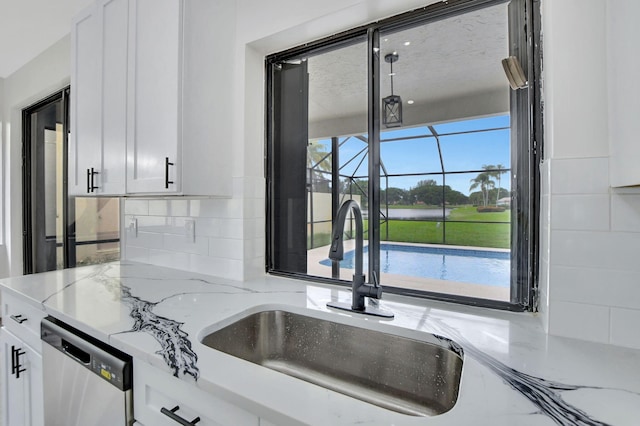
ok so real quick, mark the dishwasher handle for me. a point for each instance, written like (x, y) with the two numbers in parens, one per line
(75, 352)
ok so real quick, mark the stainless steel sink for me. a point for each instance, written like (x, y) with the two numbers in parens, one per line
(397, 373)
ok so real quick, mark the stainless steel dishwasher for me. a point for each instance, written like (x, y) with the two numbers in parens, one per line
(86, 382)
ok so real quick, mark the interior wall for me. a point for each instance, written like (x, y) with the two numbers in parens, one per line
(591, 232)
(3, 250)
(44, 75)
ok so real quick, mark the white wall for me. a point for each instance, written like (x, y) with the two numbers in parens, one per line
(46, 74)
(591, 233)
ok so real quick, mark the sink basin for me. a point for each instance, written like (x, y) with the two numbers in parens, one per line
(408, 376)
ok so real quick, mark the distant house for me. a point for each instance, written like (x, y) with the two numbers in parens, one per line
(506, 201)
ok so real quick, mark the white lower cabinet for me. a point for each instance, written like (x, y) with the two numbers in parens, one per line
(161, 399)
(22, 394)
(21, 382)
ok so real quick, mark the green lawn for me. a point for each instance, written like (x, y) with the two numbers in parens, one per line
(469, 213)
(495, 235)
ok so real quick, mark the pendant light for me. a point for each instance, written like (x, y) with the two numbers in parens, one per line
(392, 104)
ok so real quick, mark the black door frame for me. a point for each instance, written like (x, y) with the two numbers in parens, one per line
(27, 179)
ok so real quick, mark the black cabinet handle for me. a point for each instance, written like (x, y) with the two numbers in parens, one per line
(173, 416)
(16, 367)
(167, 182)
(18, 318)
(93, 186)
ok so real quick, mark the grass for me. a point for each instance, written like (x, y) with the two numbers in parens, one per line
(469, 213)
(495, 235)
(470, 233)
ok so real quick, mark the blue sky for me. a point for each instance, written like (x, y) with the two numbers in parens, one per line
(459, 152)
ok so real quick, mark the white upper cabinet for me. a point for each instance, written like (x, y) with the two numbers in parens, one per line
(155, 95)
(84, 138)
(98, 100)
(114, 15)
(145, 90)
(623, 69)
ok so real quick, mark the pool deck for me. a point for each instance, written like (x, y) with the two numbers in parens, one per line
(314, 267)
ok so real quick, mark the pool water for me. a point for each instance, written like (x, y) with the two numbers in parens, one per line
(462, 265)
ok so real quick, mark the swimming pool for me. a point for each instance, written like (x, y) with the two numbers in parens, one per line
(462, 265)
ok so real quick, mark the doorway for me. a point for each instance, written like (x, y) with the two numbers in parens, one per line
(60, 231)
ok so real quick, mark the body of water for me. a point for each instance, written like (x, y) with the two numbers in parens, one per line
(462, 265)
(415, 213)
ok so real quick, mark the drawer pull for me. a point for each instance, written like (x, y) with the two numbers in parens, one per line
(18, 318)
(173, 416)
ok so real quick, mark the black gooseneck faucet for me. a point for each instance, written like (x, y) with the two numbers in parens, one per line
(359, 288)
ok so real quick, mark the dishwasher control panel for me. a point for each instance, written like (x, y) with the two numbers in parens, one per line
(105, 361)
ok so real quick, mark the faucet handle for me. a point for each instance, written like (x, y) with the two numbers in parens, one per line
(375, 279)
(374, 291)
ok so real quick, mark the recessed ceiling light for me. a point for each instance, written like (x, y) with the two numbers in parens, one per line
(410, 101)
(406, 43)
(386, 40)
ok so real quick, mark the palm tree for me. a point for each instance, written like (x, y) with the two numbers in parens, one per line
(483, 180)
(498, 174)
(496, 171)
(318, 161)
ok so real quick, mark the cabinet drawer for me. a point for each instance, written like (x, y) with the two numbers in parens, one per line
(23, 320)
(154, 390)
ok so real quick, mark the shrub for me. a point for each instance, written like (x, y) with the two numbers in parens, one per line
(490, 209)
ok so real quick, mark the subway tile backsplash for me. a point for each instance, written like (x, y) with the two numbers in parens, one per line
(221, 237)
(593, 281)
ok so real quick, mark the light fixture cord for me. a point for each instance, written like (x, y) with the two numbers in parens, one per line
(391, 64)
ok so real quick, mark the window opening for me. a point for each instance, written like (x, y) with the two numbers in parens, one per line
(454, 182)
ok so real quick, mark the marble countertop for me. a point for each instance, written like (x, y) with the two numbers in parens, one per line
(513, 372)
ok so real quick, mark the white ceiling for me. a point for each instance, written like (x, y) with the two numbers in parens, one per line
(29, 27)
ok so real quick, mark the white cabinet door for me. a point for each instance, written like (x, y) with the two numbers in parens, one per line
(624, 108)
(85, 133)
(21, 382)
(97, 143)
(114, 15)
(155, 97)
